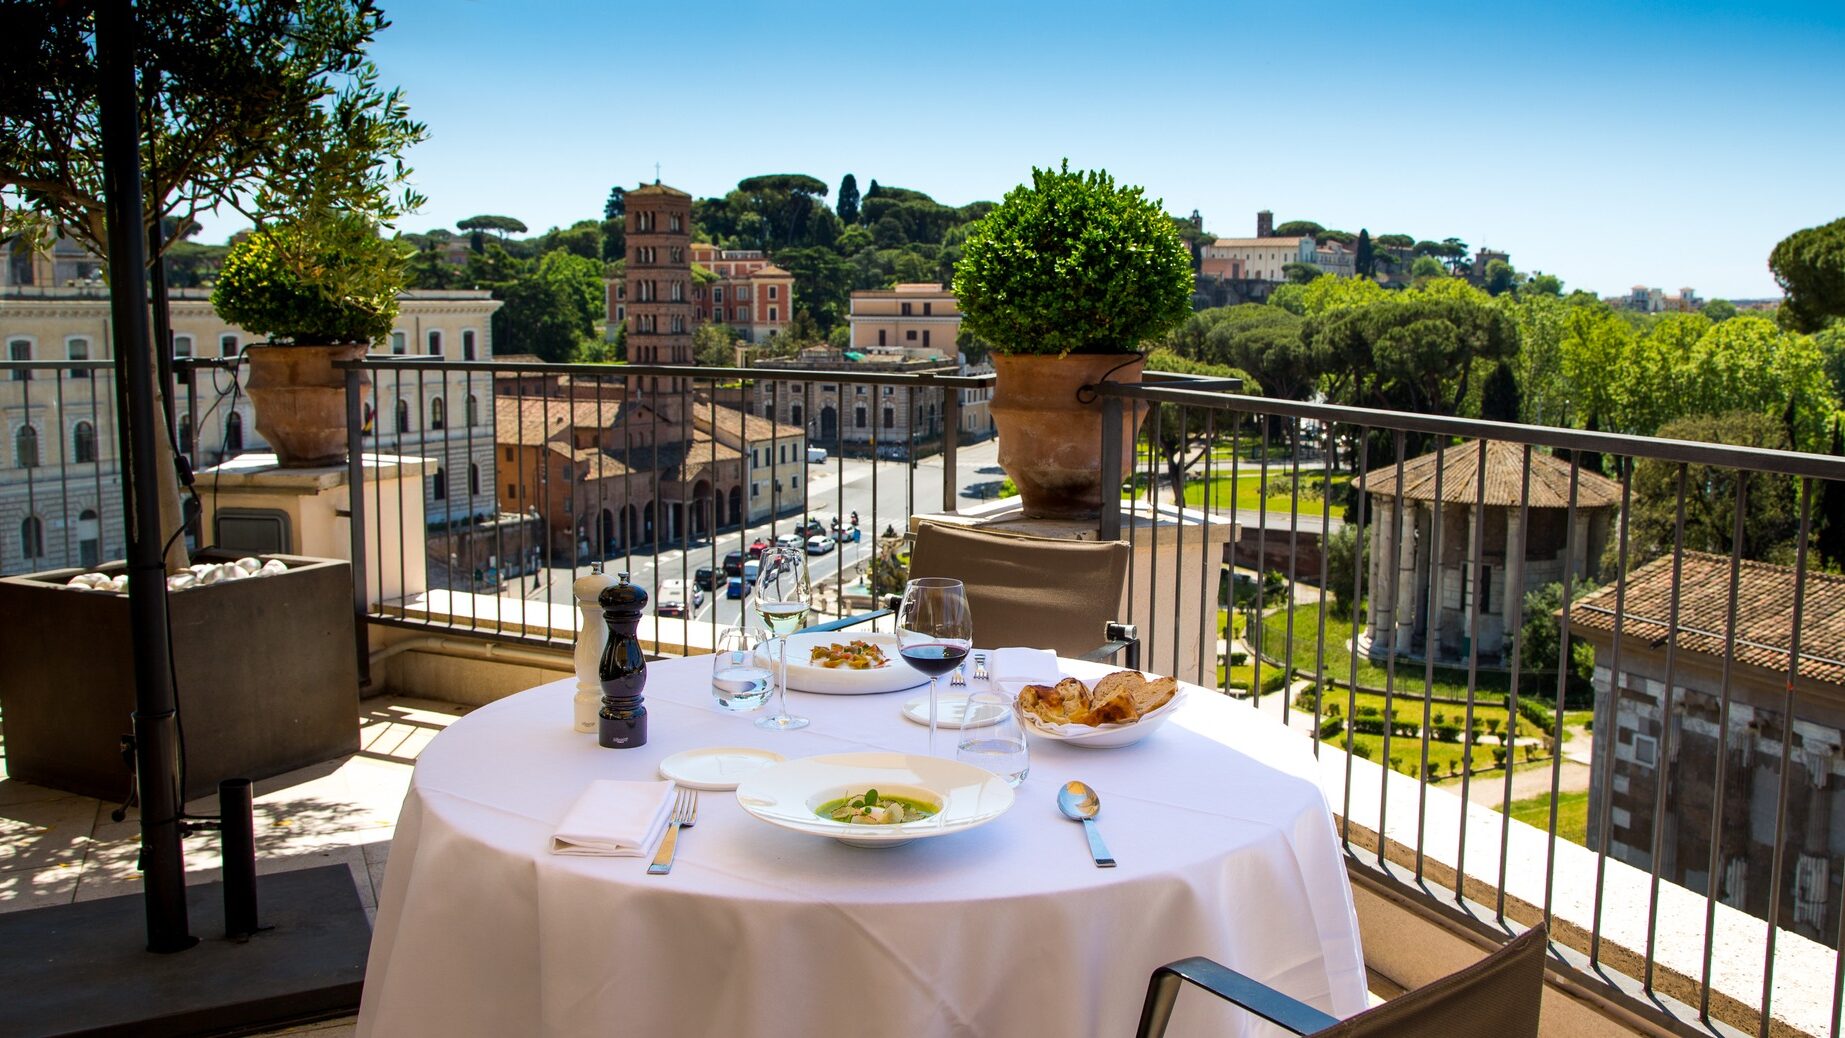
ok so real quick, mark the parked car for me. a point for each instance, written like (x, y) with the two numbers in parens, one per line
(757, 547)
(733, 564)
(820, 545)
(894, 452)
(669, 608)
(705, 579)
(812, 528)
(676, 590)
(816, 455)
(791, 540)
(736, 587)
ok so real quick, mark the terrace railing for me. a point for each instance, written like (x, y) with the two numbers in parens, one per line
(1704, 895)
(542, 470)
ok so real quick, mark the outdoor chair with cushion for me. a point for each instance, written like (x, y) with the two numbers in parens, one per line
(1496, 997)
(1048, 593)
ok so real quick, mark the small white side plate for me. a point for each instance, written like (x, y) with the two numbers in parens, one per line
(718, 768)
(950, 712)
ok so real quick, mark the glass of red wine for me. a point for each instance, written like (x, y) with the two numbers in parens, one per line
(934, 631)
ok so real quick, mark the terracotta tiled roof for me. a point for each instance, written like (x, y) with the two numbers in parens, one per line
(1550, 478)
(656, 188)
(533, 421)
(1248, 243)
(751, 427)
(1764, 613)
(770, 270)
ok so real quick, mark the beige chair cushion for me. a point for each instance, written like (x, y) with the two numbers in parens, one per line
(1038, 591)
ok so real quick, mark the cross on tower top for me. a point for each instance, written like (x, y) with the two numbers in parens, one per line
(656, 172)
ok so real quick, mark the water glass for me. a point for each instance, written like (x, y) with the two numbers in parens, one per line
(740, 682)
(991, 737)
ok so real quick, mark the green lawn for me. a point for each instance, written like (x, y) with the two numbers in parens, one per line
(1245, 491)
(1572, 815)
(1490, 686)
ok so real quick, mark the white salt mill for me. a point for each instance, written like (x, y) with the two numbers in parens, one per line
(592, 635)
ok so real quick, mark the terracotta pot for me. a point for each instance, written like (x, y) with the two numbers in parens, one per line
(1049, 442)
(300, 400)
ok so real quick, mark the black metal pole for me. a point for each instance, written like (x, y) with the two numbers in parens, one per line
(237, 842)
(163, 313)
(155, 720)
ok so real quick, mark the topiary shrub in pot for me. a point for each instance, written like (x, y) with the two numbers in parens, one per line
(321, 288)
(1066, 278)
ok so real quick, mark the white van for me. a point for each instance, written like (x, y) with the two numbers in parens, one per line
(816, 455)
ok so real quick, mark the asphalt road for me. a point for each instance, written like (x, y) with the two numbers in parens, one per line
(837, 488)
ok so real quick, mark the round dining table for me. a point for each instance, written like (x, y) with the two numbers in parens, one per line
(1225, 843)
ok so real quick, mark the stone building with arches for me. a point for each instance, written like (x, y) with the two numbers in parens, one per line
(60, 490)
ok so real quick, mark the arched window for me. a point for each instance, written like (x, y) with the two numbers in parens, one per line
(794, 414)
(89, 539)
(32, 538)
(473, 409)
(83, 442)
(438, 413)
(20, 349)
(233, 433)
(25, 447)
(435, 343)
(473, 479)
(403, 415)
(78, 348)
(439, 486)
(467, 344)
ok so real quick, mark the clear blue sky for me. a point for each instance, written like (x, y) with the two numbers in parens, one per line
(1611, 144)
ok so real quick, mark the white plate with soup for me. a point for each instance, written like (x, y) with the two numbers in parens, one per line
(842, 668)
(875, 799)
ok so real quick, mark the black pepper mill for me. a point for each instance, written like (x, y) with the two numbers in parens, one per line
(622, 721)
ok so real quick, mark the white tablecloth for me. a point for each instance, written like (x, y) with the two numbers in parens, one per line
(1226, 849)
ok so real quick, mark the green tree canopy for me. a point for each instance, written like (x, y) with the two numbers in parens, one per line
(1365, 257)
(1301, 273)
(1809, 266)
(847, 204)
(500, 225)
(260, 107)
(1298, 229)
(1395, 241)
(1771, 518)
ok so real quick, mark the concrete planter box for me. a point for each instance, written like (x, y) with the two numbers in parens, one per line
(267, 677)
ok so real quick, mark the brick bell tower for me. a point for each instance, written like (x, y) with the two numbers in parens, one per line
(659, 282)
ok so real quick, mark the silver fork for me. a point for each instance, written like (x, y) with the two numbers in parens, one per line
(959, 677)
(980, 666)
(685, 814)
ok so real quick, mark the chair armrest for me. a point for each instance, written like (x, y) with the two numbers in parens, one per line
(845, 622)
(1232, 987)
(1120, 636)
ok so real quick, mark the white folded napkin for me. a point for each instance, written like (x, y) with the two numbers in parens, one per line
(1013, 669)
(620, 819)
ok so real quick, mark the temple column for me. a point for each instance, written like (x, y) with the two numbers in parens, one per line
(1409, 564)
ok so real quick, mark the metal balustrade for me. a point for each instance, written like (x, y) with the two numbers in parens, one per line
(1672, 919)
(1706, 895)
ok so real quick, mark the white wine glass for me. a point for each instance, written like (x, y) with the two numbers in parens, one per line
(934, 631)
(781, 601)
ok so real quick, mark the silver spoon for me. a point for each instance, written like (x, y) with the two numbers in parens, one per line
(1080, 804)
